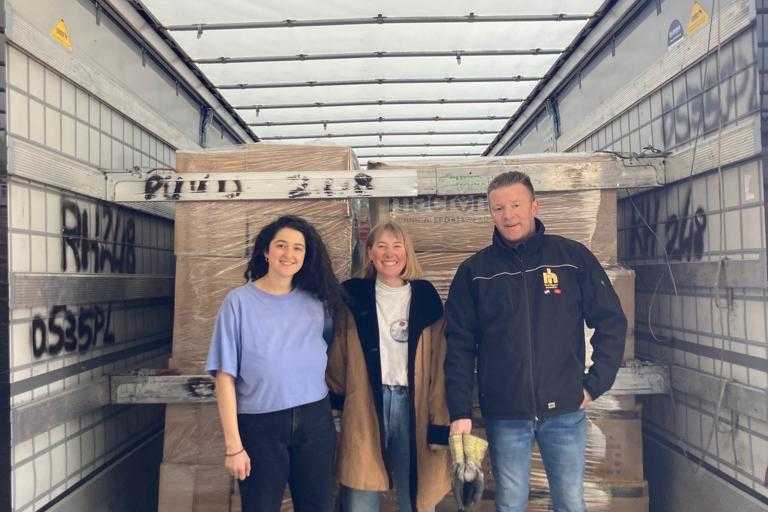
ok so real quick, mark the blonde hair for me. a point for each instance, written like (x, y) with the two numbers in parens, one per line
(412, 269)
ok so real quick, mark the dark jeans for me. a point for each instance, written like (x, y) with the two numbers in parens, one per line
(293, 446)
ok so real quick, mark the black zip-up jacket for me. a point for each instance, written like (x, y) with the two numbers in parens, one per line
(520, 312)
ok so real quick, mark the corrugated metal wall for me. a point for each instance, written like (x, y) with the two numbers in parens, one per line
(89, 282)
(647, 89)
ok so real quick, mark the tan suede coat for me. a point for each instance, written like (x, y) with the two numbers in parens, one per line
(354, 361)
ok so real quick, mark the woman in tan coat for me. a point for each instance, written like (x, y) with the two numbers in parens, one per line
(385, 373)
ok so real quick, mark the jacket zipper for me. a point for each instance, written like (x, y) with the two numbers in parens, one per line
(530, 339)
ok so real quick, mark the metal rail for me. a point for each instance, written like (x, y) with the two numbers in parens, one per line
(380, 120)
(382, 81)
(319, 104)
(457, 54)
(378, 20)
(378, 134)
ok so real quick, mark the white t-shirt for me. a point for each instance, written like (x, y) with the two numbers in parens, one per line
(392, 311)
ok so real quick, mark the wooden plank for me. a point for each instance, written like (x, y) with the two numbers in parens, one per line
(641, 379)
(224, 186)
(164, 387)
(549, 173)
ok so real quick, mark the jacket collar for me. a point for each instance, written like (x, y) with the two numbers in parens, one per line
(527, 247)
(425, 309)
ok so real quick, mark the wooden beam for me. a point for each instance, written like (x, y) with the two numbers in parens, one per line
(641, 378)
(549, 173)
(164, 387)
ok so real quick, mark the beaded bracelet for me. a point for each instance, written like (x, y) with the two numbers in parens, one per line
(233, 454)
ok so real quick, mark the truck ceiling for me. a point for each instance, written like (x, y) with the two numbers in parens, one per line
(397, 80)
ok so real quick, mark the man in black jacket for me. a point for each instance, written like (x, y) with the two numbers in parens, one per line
(517, 308)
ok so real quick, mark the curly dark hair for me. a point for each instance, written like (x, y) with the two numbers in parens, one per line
(316, 273)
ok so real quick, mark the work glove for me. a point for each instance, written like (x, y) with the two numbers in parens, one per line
(467, 478)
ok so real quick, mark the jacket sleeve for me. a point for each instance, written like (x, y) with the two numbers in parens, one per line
(603, 313)
(439, 418)
(336, 371)
(461, 334)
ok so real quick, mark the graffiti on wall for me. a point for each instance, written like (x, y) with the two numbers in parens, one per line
(67, 329)
(682, 236)
(109, 248)
(156, 186)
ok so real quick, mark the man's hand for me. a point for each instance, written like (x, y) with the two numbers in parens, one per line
(586, 401)
(462, 426)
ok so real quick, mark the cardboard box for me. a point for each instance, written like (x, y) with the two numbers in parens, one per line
(614, 447)
(201, 285)
(623, 281)
(193, 435)
(267, 157)
(440, 267)
(464, 224)
(194, 488)
(224, 228)
(236, 504)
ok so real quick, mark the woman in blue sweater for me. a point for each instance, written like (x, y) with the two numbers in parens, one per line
(268, 354)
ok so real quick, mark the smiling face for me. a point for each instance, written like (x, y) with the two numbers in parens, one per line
(285, 255)
(513, 209)
(388, 256)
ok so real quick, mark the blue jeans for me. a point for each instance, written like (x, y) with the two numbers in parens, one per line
(562, 442)
(396, 408)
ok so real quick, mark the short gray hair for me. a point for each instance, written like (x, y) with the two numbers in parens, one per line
(508, 178)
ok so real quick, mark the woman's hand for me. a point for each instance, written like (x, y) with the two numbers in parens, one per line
(238, 465)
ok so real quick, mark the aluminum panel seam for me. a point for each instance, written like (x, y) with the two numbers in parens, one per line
(35, 290)
(42, 165)
(162, 341)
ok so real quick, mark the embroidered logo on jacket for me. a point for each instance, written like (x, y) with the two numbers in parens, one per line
(551, 283)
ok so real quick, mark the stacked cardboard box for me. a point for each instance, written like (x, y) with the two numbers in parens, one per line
(213, 244)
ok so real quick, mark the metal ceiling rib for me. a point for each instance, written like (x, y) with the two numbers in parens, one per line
(395, 80)
(379, 19)
(379, 81)
(372, 103)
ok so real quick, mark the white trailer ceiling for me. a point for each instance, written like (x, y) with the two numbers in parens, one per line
(330, 74)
